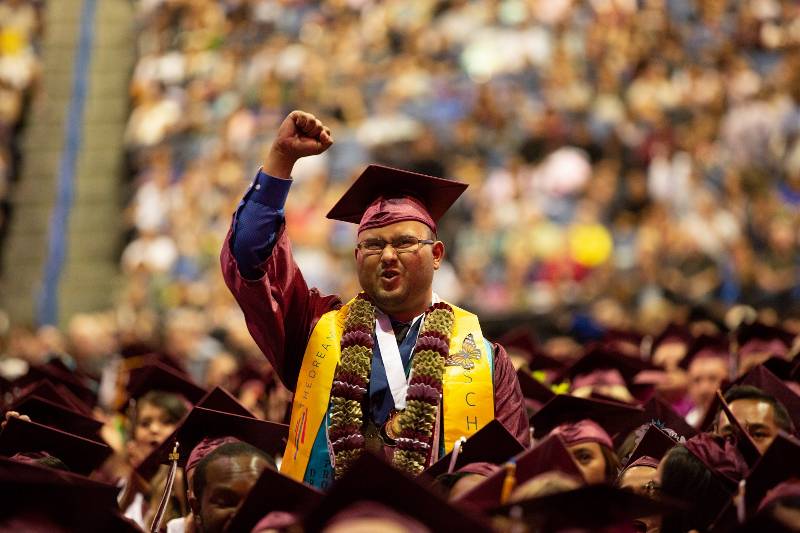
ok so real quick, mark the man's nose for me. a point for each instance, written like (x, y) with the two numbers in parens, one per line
(388, 254)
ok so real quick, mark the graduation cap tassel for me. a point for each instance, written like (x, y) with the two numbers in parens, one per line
(739, 501)
(509, 481)
(456, 451)
(155, 526)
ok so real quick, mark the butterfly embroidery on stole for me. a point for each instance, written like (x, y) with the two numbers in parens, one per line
(467, 356)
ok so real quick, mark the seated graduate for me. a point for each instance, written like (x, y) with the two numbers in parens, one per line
(587, 428)
(704, 472)
(222, 455)
(222, 480)
(158, 398)
(760, 413)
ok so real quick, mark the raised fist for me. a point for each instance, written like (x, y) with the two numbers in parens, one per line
(301, 134)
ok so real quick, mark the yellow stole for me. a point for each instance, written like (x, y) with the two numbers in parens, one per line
(468, 389)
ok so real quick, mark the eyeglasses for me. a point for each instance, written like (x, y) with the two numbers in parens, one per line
(402, 245)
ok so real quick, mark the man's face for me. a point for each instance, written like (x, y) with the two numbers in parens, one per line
(756, 416)
(228, 480)
(399, 284)
(706, 375)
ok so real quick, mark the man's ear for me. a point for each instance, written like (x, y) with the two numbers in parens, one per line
(438, 254)
(194, 505)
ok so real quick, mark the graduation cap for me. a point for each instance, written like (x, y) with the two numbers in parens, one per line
(218, 399)
(204, 424)
(36, 498)
(81, 455)
(761, 377)
(535, 393)
(779, 463)
(660, 413)
(599, 357)
(654, 443)
(491, 444)
(374, 481)
(613, 417)
(549, 455)
(272, 492)
(588, 508)
(522, 340)
(156, 376)
(706, 346)
(49, 413)
(382, 195)
(761, 336)
(62, 377)
(137, 354)
(55, 393)
(672, 333)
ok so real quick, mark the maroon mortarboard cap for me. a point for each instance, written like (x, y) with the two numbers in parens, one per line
(654, 443)
(49, 413)
(373, 480)
(382, 195)
(156, 376)
(532, 389)
(785, 489)
(272, 492)
(624, 342)
(779, 463)
(764, 336)
(39, 499)
(59, 375)
(762, 378)
(672, 333)
(521, 340)
(549, 455)
(706, 346)
(658, 412)
(55, 393)
(720, 456)
(588, 508)
(219, 399)
(81, 455)
(780, 366)
(613, 417)
(140, 353)
(491, 444)
(601, 358)
(202, 425)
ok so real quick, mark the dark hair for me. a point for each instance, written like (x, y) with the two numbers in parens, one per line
(612, 463)
(173, 404)
(230, 450)
(685, 477)
(748, 392)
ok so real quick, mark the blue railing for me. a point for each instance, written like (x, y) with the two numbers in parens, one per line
(47, 301)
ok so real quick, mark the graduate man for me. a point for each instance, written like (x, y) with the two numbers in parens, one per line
(395, 370)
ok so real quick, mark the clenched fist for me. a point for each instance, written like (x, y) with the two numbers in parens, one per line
(301, 134)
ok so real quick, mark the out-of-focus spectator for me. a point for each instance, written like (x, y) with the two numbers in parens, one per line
(20, 66)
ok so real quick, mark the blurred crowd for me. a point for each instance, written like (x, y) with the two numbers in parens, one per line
(20, 67)
(627, 155)
(634, 204)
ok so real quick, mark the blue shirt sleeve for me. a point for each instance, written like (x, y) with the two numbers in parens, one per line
(256, 223)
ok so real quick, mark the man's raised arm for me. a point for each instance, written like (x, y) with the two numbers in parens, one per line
(256, 257)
